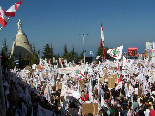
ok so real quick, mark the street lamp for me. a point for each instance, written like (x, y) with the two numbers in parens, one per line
(84, 45)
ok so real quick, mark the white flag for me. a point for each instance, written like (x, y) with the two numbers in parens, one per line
(91, 53)
(127, 62)
(116, 52)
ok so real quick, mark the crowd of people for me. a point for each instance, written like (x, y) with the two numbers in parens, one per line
(48, 90)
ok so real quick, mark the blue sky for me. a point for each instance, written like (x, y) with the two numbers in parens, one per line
(125, 22)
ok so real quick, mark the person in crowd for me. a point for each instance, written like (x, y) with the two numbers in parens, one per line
(130, 109)
(141, 111)
(152, 111)
(148, 110)
(111, 109)
(125, 106)
(115, 107)
(135, 105)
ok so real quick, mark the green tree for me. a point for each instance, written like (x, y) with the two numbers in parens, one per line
(34, 59)
(100, 53)
(73, 52)
(65, 51)
(27, 60)
(34, 49)
(6, 61)
(76, 58)
(48, 52)
(57, 56)
(11, 63)
(69, 57)
(81, 57)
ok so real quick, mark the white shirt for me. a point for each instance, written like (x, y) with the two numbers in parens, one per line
(147, 112)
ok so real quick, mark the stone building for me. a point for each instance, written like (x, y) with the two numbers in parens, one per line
(21, 45)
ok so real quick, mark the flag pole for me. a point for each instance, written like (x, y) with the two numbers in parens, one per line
(2, 26)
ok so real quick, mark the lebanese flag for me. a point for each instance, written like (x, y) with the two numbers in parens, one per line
(12, 10)
(102, 40)
(81, 76)
(3, 18)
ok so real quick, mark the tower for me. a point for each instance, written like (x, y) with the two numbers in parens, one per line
(21, 45)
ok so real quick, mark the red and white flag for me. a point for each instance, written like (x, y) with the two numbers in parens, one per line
(102, 40)
(3, 18)
(12, 10)
(119, 86)
(119, 78)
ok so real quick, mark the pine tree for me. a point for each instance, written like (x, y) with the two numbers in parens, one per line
(65, 51)
(48, 52)
(73, 51)
(6, 61)
(100, 53)
(34, 59)
(81, 57)
(34, 49)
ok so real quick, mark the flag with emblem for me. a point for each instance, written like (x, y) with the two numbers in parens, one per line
(127, 62)
(79, 74)
(43, 64)
(116, 52)
(68, 90)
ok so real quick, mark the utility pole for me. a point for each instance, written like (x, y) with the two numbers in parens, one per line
(83, 35)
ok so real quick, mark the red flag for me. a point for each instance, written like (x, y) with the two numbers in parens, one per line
(102, 40)
(12, 10)
(3, 18)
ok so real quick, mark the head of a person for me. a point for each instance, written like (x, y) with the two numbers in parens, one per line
(149, 107)
(141, 107)
(115, 103)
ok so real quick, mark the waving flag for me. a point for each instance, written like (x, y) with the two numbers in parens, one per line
(3, 18)
(119, 86)
(127, 62)
(102, 40)
(116, 52)
(12, 10)
(43, 64)
(79, 74)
